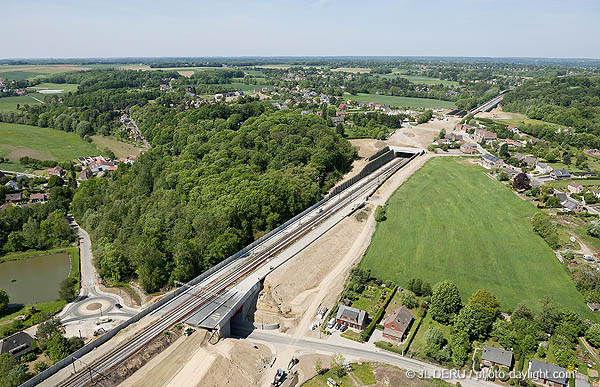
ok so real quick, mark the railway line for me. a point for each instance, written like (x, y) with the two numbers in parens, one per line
(200, 295)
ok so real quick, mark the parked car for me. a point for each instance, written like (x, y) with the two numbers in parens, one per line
(118, 306)
(337, 326)
(344, 328)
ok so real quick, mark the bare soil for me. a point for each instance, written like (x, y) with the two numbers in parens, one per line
(500, 114)
(392, 376)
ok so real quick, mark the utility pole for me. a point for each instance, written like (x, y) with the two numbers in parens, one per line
(73, 359)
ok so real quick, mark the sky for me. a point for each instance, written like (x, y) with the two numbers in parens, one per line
(201, 28)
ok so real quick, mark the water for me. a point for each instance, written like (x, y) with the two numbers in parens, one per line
(37, 278)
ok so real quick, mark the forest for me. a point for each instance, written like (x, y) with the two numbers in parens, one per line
(572, 101)
(215, 179)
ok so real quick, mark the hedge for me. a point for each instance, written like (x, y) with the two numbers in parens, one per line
(414, 333)
(366, 332)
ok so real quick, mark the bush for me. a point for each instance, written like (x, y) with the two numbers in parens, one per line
(380, 214)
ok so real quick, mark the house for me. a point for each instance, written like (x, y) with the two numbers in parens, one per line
(443, 141)
(513, 143)
(56, 171)
(38, 197)
(337, 119)
(530, 161)
(596, 193)
(490, 161)
(548, 374)
(573, 206)
(85, 174)
(468, 148)
(592, 152)
(351, 317)
(575, 187)
(482, 135)
(12, 184)
(594, 306)
(543, 168)
(581, 380)
(16, 345)
(510, 172)
(13, 197)
(397, 324)
(491, 356)
(560, 174)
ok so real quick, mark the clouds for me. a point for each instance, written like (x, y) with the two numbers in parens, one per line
(114, 28)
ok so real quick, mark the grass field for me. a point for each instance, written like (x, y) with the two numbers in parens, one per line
(10, 103)
(450, 221)
(65, 87)
(401, 101)
(244, 87)
(22, 72)
(420, 79)
(17, 141)
(119, 148)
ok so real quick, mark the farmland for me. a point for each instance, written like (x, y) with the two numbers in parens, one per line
(41, 143)
(419, 79)
(46, 87)
(450, 221)
(10, 103)
(32, 71)
(401, 101)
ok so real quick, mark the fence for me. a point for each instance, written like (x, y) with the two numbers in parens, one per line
(376, 163)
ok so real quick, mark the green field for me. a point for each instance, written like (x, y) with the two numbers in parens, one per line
(65, 87)
(419, 79)
(10, 103)
(41, 143)
(450, 221)
(401, 101)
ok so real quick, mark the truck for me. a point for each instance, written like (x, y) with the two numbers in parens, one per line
(331, 323)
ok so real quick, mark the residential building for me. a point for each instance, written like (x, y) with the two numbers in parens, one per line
(337, 119)
(12, 184)
(573, 206)
(56, 171)
(596, 193)
(491, 356)
(513, 143)
(560, 174)
(530, 161)
(543, 168)
(38, 197)
(592, 152)
(482, 135)
(468, 148)
(548, 374)
(594, 306)
(443, 141)
(575, 187)
(490, 161)
(351, 317)
(397, 324)
(16, 345)
(85, 174)
(14, 197)
(581, 380)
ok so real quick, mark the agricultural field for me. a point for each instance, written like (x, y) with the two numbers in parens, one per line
(419, 79)
(244, 87)
(354, 70)
(402, 101)
(54, 88)
(32, 71)
(450, 221)
(17, 141)
(10, 103)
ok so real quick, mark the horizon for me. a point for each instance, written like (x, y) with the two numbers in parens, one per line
(317, 28)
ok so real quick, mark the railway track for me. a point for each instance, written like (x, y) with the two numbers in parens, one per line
(200, 295)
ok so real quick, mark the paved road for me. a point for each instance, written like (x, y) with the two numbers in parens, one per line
(92, 302)
(363, 351)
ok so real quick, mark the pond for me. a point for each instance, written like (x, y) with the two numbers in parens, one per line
(35, 279)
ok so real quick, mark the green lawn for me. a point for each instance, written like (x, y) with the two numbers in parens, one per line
(19, 75)
(65, 87)
(450, 221)
(10, 103)
(41, 143)
(401, 101)
(418, 343)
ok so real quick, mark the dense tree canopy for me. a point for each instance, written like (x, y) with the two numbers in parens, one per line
(215, 179)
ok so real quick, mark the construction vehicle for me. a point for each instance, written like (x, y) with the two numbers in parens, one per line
(279, 376)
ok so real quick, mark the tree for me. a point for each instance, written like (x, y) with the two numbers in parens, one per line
(488, 300)
(503, 151)
(55, 181)
(45, 331)
(461, 347)
(40, 366)
(503, 176)
(562, 350)
(543, 226)
(12, 374)
(592, 335)
(445, 301)
(337, 364)
(409, 299)
(379, 214)
(594, 228)
(415, 285)
(566, 158)
(318, 366)
(474, 320)
(3, 301)
(67, 289)
(57, 347)
(521, 182)
(84, 128)
(590, 198)
(522, 311)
